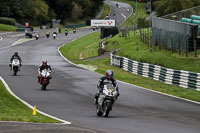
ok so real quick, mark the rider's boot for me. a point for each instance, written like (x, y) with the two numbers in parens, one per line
(38, 79)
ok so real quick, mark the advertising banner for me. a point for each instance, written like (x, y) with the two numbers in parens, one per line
(99, 23)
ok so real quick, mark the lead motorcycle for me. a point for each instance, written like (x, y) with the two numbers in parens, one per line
(15, 65)
(106, 100)
(54, 36)
(45, 77)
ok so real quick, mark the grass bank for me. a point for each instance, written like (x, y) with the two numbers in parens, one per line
(84, 47)
(12, 109)
(5, 27)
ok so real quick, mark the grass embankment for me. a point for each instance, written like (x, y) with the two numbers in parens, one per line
(85, 47)
(88, 46)
(131, 21)
(12, 109)
(5, 27)
(105, 11)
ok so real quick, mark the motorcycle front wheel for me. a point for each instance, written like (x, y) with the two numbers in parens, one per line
(99, 113)
(107, 108)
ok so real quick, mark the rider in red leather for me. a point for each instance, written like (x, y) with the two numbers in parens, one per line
(43, 66)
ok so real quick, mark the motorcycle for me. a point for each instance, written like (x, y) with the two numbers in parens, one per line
(45, 77)
(15, 65)
(47, 35)
(74, 31)
(37, 37)
(66, 33)
(54, 36)
(106, 100)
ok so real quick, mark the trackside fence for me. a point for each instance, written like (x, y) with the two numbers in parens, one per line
(185, 79)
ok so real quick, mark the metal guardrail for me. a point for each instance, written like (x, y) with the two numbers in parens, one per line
(180, 78)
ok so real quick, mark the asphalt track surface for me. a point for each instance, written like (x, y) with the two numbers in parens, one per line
(71, 91)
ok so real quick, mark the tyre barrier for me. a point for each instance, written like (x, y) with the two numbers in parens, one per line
(185, 79)
(1, 38)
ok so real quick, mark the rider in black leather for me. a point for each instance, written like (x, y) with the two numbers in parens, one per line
(15, 56)
(107, 78)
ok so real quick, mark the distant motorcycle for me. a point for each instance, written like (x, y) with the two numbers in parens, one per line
(54, 36)
(74, 31)
(45, 77)
(37, 36)
(47, 35)
(106, 100)
(15, 65)
(66, 33)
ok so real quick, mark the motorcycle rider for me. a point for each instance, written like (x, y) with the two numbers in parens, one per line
(66, 31)
(48, 34)
(74, 29)
(109, 78)
(43, 66)
(15, 56)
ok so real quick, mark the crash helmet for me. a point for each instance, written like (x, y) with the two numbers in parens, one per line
(44, 62)
(15, 53)
(109, 74)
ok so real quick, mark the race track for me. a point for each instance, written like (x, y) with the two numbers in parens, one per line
(71, 91)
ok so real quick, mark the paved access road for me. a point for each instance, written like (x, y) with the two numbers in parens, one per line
(71, 91)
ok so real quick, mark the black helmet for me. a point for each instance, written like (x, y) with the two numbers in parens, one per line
(15, 53)
(109, 74)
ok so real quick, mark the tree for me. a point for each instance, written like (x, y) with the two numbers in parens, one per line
(165, 7)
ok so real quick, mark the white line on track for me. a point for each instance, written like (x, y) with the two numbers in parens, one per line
(128, 83)
(4, 33)
(123, 15)
(17, 35)
(31, 107)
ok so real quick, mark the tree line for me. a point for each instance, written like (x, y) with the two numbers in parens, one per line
(164, 7)
(45, 10)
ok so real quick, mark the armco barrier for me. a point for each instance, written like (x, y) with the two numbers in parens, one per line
(180, 78)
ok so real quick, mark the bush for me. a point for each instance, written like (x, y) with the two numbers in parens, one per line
(9, 21)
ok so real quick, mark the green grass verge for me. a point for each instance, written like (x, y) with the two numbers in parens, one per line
(131, 21)
(84, 47)
(12, 109)
(5, 27)
(163, 58)
(105, 12)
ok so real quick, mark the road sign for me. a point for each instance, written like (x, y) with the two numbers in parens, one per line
(98, 23)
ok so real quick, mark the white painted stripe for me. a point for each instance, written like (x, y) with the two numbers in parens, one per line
(123, 15)
(30, 106)
(160, 93)
(15, 43)
(17, 35)
(4, 33)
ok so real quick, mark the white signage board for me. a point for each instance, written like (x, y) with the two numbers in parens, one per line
(103, 22)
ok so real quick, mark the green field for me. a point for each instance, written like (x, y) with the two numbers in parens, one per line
(12, 109)
(5, 27)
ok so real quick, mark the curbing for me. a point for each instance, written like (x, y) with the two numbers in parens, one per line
(31, 107)
(180, 78)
